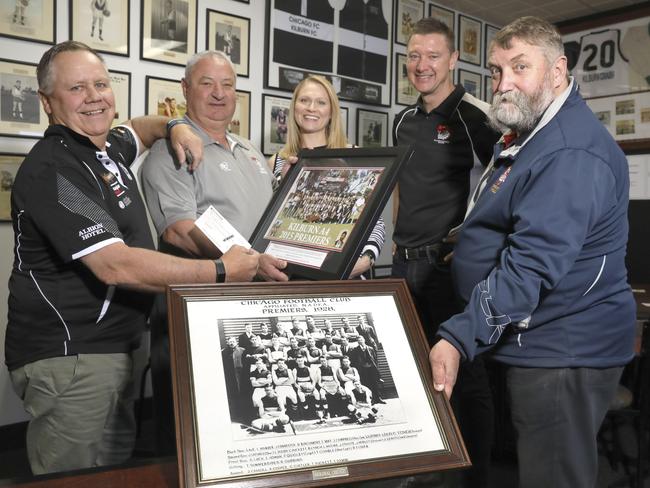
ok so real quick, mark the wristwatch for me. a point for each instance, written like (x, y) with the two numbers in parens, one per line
(370, 255)
(221, 271)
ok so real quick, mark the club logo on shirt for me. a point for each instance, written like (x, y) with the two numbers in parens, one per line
(111, 180)
(91, 231)
(497, 184)
(442, 134)
(225, 166)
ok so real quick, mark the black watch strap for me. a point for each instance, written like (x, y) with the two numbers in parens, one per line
(221, 270)
(370, 255)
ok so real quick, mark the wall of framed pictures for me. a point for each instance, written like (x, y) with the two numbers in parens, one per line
(145, 44)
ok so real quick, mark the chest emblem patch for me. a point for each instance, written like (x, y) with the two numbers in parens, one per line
(442, 134)
(225, 166)
(497, 184)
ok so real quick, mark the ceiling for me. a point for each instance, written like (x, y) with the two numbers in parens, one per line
(501, 12)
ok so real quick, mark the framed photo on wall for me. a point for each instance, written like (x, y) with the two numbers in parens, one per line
(231, 35)
(275, 117)
(408, 13)
(241, 119)
(490, 32)
(101, 24)
(471, 81)
(168, 30)
(9, 164)
(487, 89)
(413, 431)
(372, 128)
(121, 84)
(164, 97)
(345, 114)
(445, 15)
(469, 40)
(405, 93)
(29, 20)
(21, 112)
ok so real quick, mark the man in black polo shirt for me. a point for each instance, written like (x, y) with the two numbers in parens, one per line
(450, 135)
(83, 253)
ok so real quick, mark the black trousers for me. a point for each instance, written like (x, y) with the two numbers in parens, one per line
(429, 281)
(557, 414)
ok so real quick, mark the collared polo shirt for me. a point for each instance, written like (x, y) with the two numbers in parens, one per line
(434, 186)
(236, 180)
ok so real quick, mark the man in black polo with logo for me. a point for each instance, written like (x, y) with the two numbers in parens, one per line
(83, 258)
(450, 135)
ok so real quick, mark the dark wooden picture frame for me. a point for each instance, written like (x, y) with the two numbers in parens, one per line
(97, 27)
(241, 119)
(323, 242)
(230, 34)
(414, 431)
(22, 22)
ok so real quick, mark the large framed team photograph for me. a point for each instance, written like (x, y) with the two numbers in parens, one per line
(29, 20)
(326, 207)
(101, 24)
(229, 34)
(168, 30)
(304, 384)
(21, 112)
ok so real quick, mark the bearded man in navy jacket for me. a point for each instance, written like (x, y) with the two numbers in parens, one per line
(540, 261)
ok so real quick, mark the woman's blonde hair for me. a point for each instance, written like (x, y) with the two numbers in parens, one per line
(334, 130)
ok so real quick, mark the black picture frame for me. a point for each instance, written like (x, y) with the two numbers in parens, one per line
(36, 28)
(121, 85)
(403, 21)
(372, 128)
(489, 32)
(158, 40)
(9, 164)
(443, 14)
(115, 41)
(319, 243)
(21, 112)
(238, 45)
(469, 40)
(290, 56)
(157, 91)
(471, 81)
(274, 128)
(218, 444)
(405, 92)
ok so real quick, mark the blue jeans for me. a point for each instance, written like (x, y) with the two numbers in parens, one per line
(557, 414)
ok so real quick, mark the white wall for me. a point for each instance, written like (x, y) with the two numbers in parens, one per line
(10, 407)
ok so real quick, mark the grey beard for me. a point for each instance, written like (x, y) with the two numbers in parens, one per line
(528, 110)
